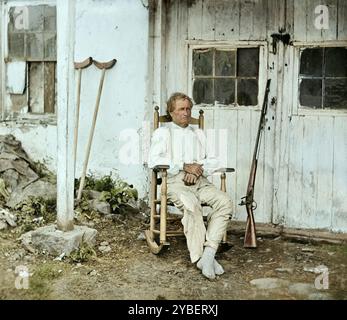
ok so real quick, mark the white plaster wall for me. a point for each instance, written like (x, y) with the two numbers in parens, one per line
(105, 30)
(39, 142)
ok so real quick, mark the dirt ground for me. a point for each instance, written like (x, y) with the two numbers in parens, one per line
(130, 271)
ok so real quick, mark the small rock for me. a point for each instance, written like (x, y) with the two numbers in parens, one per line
(269, 283)
(141, 236)
(289, 270)
(277, 238)
(317, 270)
(307, 250)
(92, 273)
(59, 258)
(100, 206)
(331, 253)
(104, 249)
(249, 261)
(3, 225)
(104, 243)
(268, 250)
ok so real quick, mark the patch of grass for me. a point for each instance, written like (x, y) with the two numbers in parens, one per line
(40, 283)
(84, 253)
(35, 212)
(113, 190)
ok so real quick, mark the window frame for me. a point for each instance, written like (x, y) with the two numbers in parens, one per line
(234, 45)
(297, 109)
(6, 112)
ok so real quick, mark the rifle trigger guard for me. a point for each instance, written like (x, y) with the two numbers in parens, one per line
(254, 205)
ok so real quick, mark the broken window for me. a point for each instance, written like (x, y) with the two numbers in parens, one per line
(226, 76)
(323, 78)
(33, 42)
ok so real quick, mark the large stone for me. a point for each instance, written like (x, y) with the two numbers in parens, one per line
(44, 189)
(56, 242)
(303, 289)
(100, 206)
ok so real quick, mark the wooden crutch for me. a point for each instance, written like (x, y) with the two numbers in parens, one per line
(103, 66)
(79, 66)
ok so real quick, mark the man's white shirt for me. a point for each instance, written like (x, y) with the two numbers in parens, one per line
(173, 146)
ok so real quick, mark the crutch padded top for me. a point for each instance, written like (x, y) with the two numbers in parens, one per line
(83, 64)
(105, 65)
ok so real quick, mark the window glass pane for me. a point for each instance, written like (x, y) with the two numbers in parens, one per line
(247, 92)
(247, 62)
(202, 62)
(225, 63)
(335, 93)
(336, 62)
(311, 62)
(203, 91)
(225, 91)
(311, 93)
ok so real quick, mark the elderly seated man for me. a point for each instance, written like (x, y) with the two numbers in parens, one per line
(182, 147)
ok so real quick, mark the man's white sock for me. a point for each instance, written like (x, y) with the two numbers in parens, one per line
(218, 269)
(206, 263)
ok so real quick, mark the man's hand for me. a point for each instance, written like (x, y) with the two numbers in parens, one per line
(190, 179)
(193, 168)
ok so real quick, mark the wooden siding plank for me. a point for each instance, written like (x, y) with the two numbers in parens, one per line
(182, 49)
(282, 119)
(331, 33)
(36, 87)
(342, 20)
(312, 33)
(195, 19)
(246, 20)
(49, 87)
(259, 20)
(244, 155)
(310, 144)
(300, 27)
(295, 189)
(227, 20)
(339, 208)
(260, 195)
(289, 17)
(325, 145)
(171, 52)
(208, 19)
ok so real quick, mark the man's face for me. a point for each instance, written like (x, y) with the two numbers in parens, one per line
(182, 113)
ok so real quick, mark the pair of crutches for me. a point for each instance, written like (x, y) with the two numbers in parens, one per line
(80, 66)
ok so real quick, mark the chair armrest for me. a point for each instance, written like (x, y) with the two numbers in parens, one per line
(221, 170)
(161, 167)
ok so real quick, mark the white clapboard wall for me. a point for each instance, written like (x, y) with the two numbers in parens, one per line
(302, 172)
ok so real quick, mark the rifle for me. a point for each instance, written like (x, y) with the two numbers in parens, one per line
(248, 200)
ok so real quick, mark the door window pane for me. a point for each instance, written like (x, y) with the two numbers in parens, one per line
(336, 62)
(311, 62)
(311, 93)
(225, 63)
(247, 62)
(335, 93)
(247, 92)
(203, 91)
(225, 91)
(202, 62)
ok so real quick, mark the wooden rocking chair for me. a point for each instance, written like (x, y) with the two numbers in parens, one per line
(157, 238)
